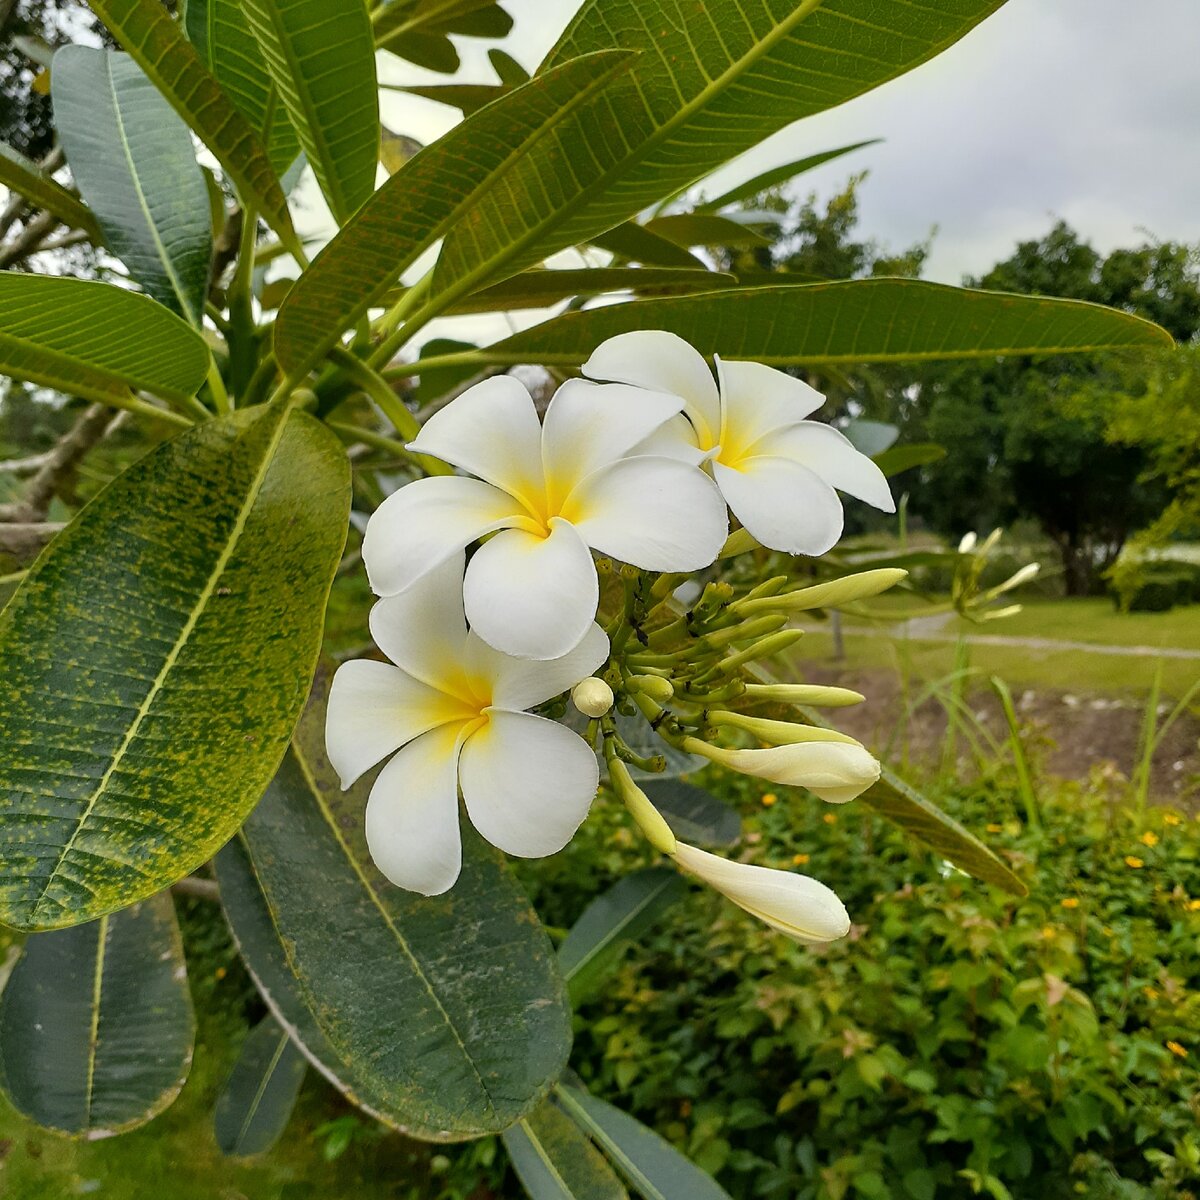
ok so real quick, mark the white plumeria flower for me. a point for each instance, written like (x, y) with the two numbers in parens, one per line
(799, 906)
(556, 492)
(451, 710)
(777, 471)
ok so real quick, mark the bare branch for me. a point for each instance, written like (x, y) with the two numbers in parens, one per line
(24, 540)
(29, 240)
(194, 885)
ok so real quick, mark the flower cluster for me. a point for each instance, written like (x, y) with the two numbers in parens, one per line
(640, 464)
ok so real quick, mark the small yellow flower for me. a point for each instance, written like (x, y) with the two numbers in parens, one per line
(1178, 1050)
(768, 799)
(1048, 931)
(994, 828)
(830, 818)
(1131, 860)
(1193, 906)
(220, 972)
(1149, 838)
(1150, 993)
(1170, 818)
(1069, 902)
(799, 859)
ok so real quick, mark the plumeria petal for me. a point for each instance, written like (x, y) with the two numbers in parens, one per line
(675, 438)
(784, 505)
(756, 399)
(590, 425)
(831, 455)
(427, 521)
(423, 630)
(412, 814)
(520, 683)
(664, 362)
(656, 513)
(374, 709)
(492, 431)
(836, 772)
(527, 782)
(531, 596)
(796, 905)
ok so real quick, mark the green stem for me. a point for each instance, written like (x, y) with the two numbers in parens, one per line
(216, 385)
(243, 333)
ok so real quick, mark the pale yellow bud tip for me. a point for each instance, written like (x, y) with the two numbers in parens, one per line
(593, 697)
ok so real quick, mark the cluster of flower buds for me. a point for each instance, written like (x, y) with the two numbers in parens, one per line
(967, 593)
(492, 580)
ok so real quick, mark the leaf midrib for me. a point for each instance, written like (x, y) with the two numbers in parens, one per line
(163, 256)
(172, 658)
(310, 778)
(94, 1031)
(616, 930)
(615, 1150)
(261, 1091)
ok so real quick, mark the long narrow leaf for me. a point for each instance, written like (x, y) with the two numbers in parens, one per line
(156, 40)
(321, 57)
(429, 195)
(205, 568)
(132, 158)
(26, 178)
(555, 1161)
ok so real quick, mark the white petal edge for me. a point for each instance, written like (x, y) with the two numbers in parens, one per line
(532, 597)
(490, 430)
(423, 629)
(675, 438)
(374, 709)
(784, 505)
(590, 425)
(756, 399)
(833, 457)
(412, 815)
(528, 783)
(656, 513)
(520, 683)
(663, 362)
(799, 906)
(427, 521)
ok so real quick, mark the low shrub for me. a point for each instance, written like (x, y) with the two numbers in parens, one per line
(959, 1042)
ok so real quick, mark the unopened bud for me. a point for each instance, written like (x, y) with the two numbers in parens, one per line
(779, 733)
(861, 586)
(658, 689)
(804, 693)
(738, 542)
(649, 820)
(593, 697)
(1024, 575)
(967, 544)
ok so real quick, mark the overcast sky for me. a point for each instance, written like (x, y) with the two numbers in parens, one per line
(1085, 109)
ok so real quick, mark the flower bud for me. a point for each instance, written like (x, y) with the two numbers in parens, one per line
(796, 905)
(1024, 575)
(967, 544)
(804, 693)
(649, 820)
(834, 771)
(593, 697)
(860, 586)
(779, 733)
(659, 690)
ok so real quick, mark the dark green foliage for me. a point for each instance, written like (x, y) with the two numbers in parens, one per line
(1165, 585)
(956, 1030)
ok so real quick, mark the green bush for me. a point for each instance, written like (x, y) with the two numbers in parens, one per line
(1161, 586)
(958, 1042)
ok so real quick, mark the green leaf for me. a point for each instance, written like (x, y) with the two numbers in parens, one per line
(653, 1167)
(96, 1023)
(904, 806)
(694, 815)
(904, 458)
(704, 229)
(541, 288)
(250, 920)
(613, 921)
(256, 1102)
(395, 21)
(871, 437)
(133, 160)
(636, 243)
(401, 1000)
(710, 82)
(156, 40)
(777, 175)
(861, 320)
(219, 31)
(433, 51)
(20, 175)
(555, 1161)
(509, 71)
(430, 194)
(155, 660)
(321, 55)
(96, 341)
(467, 97)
